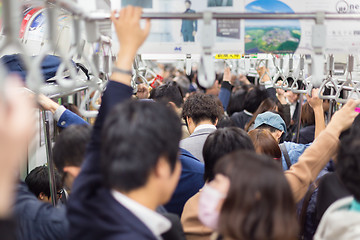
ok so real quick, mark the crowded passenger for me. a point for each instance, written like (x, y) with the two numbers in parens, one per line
(177, 161)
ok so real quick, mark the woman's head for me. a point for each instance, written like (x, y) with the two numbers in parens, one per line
(265, 143)
(222, 142)
(307, 115)
(259, 203)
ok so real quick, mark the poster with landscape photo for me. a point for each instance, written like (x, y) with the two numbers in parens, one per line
(271, 36)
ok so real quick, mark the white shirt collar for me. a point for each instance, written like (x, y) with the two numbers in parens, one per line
(204, 126)
(157, 223)
(248, 113)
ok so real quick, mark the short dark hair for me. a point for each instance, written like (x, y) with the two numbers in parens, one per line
(135, 135)
(169, 92)
(70, 145)
(188, 1)
(259, 203)
(201, 107)
(348, 164)
(253, 99)
(38, 181)
(222, 142)
(225, 121)
(236, 102)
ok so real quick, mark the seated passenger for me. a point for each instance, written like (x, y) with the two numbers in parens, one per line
(38, 183)
(201, 113)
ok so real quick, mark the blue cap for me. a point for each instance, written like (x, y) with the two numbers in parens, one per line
(272, 119)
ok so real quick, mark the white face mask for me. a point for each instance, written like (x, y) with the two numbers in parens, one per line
(208, 203)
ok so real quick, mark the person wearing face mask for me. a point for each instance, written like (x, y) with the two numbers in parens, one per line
(249, 198)
(217, 145)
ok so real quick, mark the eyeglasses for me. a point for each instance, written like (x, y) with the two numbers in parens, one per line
(60, 192)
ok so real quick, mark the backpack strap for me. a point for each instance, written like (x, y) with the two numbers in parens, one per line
(286, 154)
(305, 205)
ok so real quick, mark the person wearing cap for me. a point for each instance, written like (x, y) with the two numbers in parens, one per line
(272, 122)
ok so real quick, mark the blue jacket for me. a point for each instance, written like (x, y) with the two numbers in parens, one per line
(69, 118)
(225, 94)
(294, 150)
(191, 181)
(92, 211)
(38, 220)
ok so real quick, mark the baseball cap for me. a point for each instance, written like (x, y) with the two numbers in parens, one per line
(272, 119)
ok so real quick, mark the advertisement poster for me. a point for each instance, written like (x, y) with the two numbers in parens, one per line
(295, 36)
(271, 36)
(185, 36)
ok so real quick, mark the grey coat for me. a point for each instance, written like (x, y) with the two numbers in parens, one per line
(195, 143)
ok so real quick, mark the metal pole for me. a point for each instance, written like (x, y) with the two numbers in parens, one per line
(50, 163)
(246, 16)
(299, 118)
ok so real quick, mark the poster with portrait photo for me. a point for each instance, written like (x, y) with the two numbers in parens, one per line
(219, 3)
(137, 3)
(184, 36)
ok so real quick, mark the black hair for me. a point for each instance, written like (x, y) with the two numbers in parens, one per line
(225, 121)
(348, 164)
(253, 99)
(70, 145)
(135, 135)
(236, 102)
(38, 181)
(188, 1)
(169, 92)
(222, 142)
(201, 107)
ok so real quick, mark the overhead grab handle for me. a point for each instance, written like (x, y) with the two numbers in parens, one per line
(348, 82)
(188, 64)
(206, 68)
(330, 81)
(300, 84)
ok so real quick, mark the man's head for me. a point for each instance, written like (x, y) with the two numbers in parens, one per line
(253, 99)
(187, 4)
(272, 122)
(200, 109)
(139, 150)
(222, 142)
(292, 97)
(38, 183)
(69, 151)
(169, 93)
(348, 164)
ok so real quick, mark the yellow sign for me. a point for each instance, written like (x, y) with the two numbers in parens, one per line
(228, 56)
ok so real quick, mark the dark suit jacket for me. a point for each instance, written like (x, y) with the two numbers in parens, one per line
(191, 181)
(92, 211)
(188, 26)
(37, 220)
